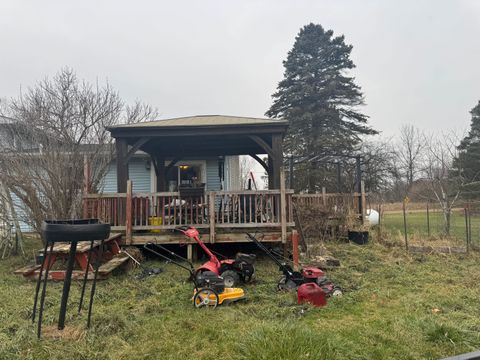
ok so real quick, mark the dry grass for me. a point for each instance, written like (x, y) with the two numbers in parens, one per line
(395, 306)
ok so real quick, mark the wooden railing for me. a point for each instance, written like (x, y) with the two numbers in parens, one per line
(133, 212)
(335, 203)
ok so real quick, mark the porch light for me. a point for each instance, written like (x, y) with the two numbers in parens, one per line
(184, 167)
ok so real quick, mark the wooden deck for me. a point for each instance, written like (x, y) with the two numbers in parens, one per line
(221, 216)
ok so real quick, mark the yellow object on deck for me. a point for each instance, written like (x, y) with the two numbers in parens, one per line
(155, 221)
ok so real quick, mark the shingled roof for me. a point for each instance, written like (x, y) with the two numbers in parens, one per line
(204, 120)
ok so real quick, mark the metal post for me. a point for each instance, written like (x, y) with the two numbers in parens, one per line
(358, 183)
(92, 292)
(428, 220)
(44, 291)
(469, 228)
(39, 280)
(66, 285)
(85, 277)
(405, 225)
(465, 210)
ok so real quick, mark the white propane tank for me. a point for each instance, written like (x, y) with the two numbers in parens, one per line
(373, 216)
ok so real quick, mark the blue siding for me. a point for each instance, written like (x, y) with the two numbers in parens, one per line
(110, 179)
(213, 181)
(140, 176)
(21, 214)
(137, 172)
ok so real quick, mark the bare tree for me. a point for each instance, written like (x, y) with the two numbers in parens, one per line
(60, 124)
(410, 151)
(247, 164)
(443, 183)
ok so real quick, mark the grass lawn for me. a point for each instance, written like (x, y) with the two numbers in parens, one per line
(417, 225)
(395, 307)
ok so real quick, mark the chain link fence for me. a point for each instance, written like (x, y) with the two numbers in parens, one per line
(427, 224)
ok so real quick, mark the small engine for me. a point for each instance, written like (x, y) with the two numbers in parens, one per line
(211, 280)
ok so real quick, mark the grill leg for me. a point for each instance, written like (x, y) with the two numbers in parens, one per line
(66, 285)
(85, 277)
(42, 297)
(92, 292)
(39, 280)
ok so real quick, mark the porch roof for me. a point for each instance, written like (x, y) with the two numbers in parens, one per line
(203, 135)
(202, 121)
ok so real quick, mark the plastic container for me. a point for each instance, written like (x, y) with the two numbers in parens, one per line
(358, 237)
(311, 293)
(155, 221)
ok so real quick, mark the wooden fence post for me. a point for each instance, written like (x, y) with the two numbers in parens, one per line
(211, 215)
(295, 237)
(428, 219)
(364, 201)
(129, 214)
(324, 196)
(283, 206)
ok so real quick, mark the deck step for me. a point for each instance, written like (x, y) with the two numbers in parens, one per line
(112, 264)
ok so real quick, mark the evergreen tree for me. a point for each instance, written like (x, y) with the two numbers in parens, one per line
(467, 163)
(320, 100)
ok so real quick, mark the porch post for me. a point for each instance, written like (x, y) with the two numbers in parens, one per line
(122, 165)
(160, 172)
(270, 173)
(277, 149)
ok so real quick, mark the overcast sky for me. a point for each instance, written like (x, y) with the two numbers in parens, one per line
(417, 61)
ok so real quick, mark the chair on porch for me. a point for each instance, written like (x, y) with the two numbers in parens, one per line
(193, 208)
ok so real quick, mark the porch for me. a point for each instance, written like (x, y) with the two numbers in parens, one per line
(221, 216)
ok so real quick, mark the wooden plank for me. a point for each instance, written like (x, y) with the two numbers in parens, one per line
(26, 270)
(83, 246)
(112, 264)
(129, 214)
(219, 238)
(157, 194)
(251, 192)
(364, 202)
(104, 195)
(283, 206)
(211, 215)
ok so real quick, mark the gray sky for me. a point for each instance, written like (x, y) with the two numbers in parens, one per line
(417, 61)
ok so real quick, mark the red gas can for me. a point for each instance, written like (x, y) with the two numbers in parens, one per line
(311, 293)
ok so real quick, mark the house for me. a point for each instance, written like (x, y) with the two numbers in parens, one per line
(216, 172)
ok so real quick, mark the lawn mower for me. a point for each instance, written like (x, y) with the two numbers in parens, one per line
(233, 271)
(292, 279)
(210, 289)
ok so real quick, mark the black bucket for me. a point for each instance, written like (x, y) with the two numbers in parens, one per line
(358, 237)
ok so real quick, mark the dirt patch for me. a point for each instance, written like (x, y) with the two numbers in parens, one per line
(70, 332)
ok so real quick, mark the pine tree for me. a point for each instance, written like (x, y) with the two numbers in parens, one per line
(467, 163)
(320, 101)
